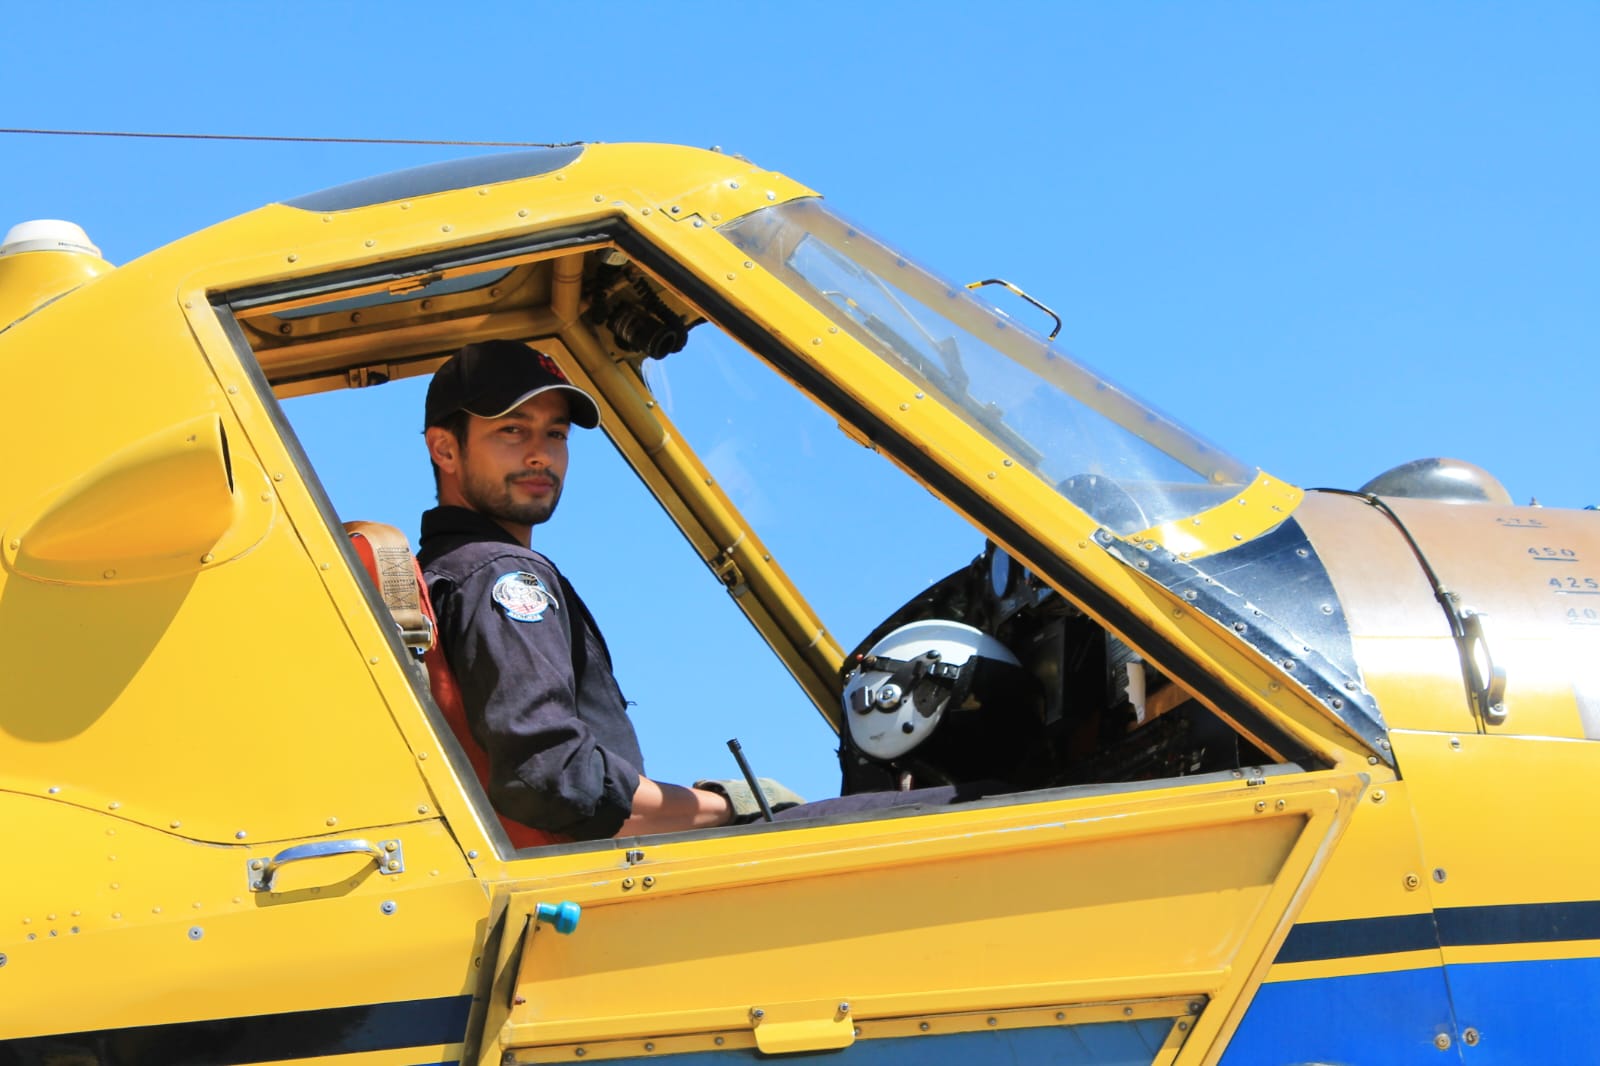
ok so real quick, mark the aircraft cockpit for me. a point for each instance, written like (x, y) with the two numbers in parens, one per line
(1017, 687)
(1067, 698)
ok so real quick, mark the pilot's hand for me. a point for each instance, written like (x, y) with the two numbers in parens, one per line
(743, 801)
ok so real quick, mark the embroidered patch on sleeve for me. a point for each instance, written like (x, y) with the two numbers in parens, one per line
(523, 596)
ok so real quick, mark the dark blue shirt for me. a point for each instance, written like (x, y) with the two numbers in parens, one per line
(563, 755)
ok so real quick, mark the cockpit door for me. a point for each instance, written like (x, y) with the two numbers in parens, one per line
(1130, 926)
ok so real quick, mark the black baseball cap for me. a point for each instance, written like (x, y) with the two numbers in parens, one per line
(489, 378)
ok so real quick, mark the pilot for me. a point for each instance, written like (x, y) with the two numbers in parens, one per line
(559, 753)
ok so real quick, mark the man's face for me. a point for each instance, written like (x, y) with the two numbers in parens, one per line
(511, 468)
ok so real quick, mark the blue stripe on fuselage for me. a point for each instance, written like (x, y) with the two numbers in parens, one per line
(1521, 1012)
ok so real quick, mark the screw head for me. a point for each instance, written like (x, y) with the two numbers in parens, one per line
(388, 906)
(756, 1014)
(1442, 1041)
(195, 932)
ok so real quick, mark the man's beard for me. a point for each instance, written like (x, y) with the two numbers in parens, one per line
(495, 499)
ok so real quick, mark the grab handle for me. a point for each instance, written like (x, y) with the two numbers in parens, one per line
(1488, 680)
(388, 854)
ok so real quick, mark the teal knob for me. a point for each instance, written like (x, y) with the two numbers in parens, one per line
(562, 917)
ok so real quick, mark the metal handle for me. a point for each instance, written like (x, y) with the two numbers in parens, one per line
(388, 854)
(750, 778)
(1013, 289)
(1488, 680)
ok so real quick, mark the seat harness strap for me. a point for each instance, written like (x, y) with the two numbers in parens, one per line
(396, 572)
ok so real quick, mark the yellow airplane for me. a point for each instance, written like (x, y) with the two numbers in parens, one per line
(1293, 775)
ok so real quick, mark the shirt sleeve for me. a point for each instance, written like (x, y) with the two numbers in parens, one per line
(547, 767)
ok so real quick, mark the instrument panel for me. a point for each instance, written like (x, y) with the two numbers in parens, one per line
(1089, 709)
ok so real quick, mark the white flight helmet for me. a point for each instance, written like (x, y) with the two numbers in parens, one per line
(895, 697)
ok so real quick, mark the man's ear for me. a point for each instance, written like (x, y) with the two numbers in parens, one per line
(443, 449)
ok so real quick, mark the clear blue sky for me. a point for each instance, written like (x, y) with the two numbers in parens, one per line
(1330, 237)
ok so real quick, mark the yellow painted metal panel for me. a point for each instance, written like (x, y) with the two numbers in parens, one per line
(1549, 951)
(1076, 902)
(261, 729)
(1497, 813)
(147, 927)
(1259, 507)
(1416, 680)
(1378, 868)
